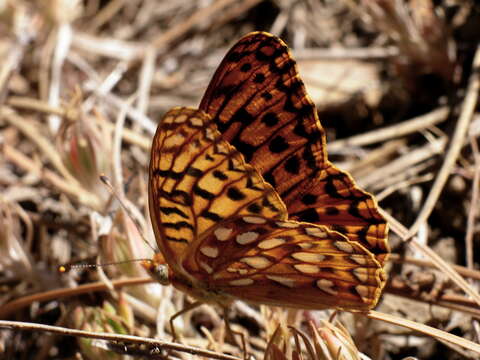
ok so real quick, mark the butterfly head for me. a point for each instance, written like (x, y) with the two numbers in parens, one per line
(158, 269)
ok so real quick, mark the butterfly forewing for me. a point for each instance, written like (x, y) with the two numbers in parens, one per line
(198, 180)
(260, 106)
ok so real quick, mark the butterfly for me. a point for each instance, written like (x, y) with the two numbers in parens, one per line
(244, 202)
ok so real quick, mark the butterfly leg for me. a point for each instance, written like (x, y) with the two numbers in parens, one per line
(183, 311)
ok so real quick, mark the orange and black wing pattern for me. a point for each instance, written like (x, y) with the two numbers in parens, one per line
(225, 232)
(260, 105)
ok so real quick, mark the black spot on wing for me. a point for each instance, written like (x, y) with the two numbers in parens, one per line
(362, 235)
(220, 175)
(178, 196)
(308, 215)
(205, 194)
(309, 199)
(268, 177)
(211, 216)
(292, 165)
(245, 148)
(309, 157)
(177, 225)
(173, 210)
(235, 56)
(259, 78)
(242, 116)
(234, 194)
(180, 240)
(340, 228)
(270, 119)
(254, 208)
(278, 145)
(267, 96)
(170, 174)
(246, 67)
(194, 172)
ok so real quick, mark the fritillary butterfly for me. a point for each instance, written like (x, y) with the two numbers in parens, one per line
(244, 202)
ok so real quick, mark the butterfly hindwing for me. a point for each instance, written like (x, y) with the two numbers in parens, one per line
(260, 106)
(286, 263)
(335, 201)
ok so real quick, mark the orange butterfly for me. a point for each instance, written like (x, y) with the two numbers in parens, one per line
(244, 202)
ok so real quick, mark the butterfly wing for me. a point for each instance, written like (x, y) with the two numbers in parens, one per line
(334, 200)
(225, 234)
(287, 263)
(260, 106)
(196, 181)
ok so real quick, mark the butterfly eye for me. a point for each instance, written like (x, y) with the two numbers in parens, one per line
(158, 271)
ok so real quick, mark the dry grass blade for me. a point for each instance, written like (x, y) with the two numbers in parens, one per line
(155, 344)
(427, 330)
(472, 214)
(407, 127)
(7, 310)
(162, 43)
(30, 130)
(436, 259)
(456, 144)
(73, 189)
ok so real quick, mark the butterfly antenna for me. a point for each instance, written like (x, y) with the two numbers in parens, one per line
(67, 267)
(104, 179)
